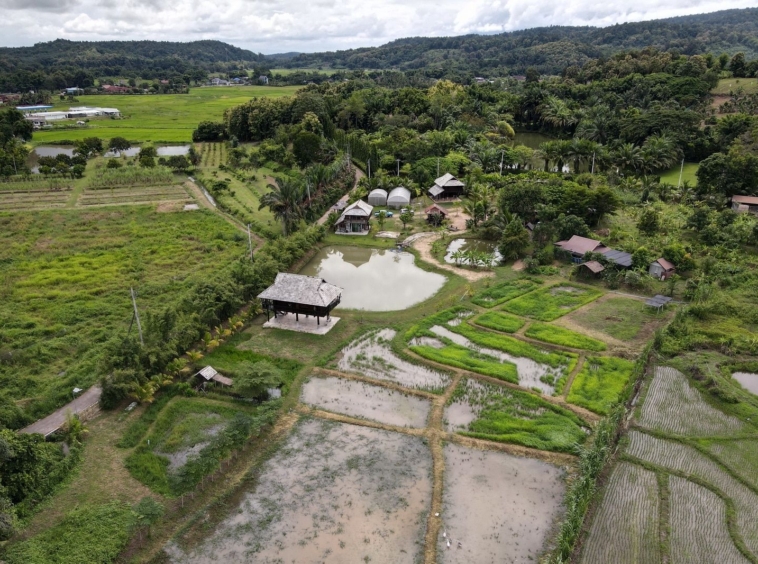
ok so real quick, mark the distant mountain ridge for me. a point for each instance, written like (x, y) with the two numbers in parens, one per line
(549, 49)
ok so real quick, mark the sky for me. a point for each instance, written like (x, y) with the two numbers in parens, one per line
(277, 26)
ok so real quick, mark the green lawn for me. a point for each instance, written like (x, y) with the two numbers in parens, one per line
(621, 318)
(727, 85)
(65, 279)
(599, 383)
(551, 303)
(689, 174)
(168, 118)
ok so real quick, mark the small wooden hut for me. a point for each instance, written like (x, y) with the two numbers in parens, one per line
(446, 186)
(435, 214)
(301, 295)
(661, 269)
(210, 374)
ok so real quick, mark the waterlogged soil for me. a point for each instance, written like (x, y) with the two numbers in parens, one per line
(334, 493)
(747, 380)
(372, 356)
(179, 458)
(461, 413)
(359, 399)
(529, 371)
(500, 508)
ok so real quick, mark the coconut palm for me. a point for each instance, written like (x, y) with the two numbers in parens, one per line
(628, 158)
(284, 200)
(556, 113)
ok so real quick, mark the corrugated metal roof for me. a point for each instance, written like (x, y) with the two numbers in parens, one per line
(208, 373)
(594, 266)
(580, 245)
(448, 180)
(356, 209)
(619, 257)
(436, 190)
(750, 200)
(434, 208)
(299, 289)
(665, 264)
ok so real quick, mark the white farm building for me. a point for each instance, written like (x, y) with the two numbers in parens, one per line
(400, 197)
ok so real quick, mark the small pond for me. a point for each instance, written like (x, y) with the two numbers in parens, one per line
(372, 279)
(32, 160)
(472, 246)
(531, 139)
(747, 380)
(162, 150)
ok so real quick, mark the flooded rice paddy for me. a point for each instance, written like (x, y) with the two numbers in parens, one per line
(747, 380)
(530, 372)
(461, 412)
(358, 399)
(374, 280)
(333, 493)
(500, 508)
(372, 356)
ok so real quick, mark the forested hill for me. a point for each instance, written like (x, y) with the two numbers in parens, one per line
(549, 49)
(119, 58)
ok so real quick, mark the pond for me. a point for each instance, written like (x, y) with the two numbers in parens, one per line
(747, 380)
(531, 139)
(372, 279)
(477, 246)
(32, 160)
(162, 150)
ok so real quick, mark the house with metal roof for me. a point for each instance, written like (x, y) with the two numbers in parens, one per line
(743, 204)
(661, 269)
(355, 219)
(446, 186)
(301, 295)
(579, 246)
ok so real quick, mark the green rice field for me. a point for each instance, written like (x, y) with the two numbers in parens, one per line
(551, 303)
(599, 383)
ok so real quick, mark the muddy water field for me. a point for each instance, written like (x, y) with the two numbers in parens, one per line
(333, 493)
(372, 356)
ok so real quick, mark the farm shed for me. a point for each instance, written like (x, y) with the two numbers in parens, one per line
(298, 294)
(619, 258)
(209, 373)
(435, 214)
(661, 269)
(592, 267)
(355, 218)
(446, 186)
(378, 197)
(579, 246)
(399, 197)
(743, 204)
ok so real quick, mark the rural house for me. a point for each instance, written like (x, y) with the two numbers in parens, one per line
(298, 294)
(355, 218)
(743, 204)
(435, 214)
(447, 186)
(661, 269)
(579, 246)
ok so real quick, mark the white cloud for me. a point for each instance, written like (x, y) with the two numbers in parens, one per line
(272, 26)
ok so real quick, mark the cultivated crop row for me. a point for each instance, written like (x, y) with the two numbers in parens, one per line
(35, 183)
(629, 516)
(129, 176)
(674, 406)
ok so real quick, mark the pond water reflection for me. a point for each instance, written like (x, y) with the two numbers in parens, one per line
(372, 279)
(477, 246)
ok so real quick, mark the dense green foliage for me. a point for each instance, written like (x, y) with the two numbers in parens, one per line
(519, 417)
(560, 336)
(548, 49)
(500, 321)
(600, 382)
(551, 303)
(86, 534)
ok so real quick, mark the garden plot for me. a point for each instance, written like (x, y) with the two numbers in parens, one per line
(625, 528)
(600, 383)
(553, 302)
(496, 413)
(556, 335)
(676, 456)
(698, 526)
(371, 355)
(531, 374)
(30, 200)
(358, 399)
(500, 321)
(624, 319)
(501, 293)
(333, 493)
(673, 405)
(500, 508)
(133, 196)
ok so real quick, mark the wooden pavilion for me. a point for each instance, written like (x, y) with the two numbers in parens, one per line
(298, 294)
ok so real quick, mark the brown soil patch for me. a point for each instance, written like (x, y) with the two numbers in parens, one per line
(518, 266)
(457, 218)
(167, 207)
(424, 247)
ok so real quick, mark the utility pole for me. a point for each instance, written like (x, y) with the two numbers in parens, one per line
(398, 168)
(136, 315)
(250, 242)
(308, 187)
(681, 171)
(369, 169)
(438, 167)
(502, 157)
(593, 163)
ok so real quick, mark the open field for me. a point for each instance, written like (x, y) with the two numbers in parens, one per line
(727, 85)
(65, 286)
(547, 304)
(18, 200)
(624, 319)
(689, 174)
(169, 117)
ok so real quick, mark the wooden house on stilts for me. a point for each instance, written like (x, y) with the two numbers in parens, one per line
(301, 295)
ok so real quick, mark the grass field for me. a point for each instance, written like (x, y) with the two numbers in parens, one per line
(65, 279)
(551, 303)
(689, 174)
(168, 118)
(621, 318)
(727, 85)
(599, 383)
(503, 292)
(559, 336)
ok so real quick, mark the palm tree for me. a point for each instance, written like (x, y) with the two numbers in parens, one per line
(556, 113)
(564, 151)
(284, 202)
(549, 152)
(628, 157)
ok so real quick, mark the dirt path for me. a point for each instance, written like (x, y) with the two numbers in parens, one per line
(424, 247)
(86, 401)
(358, 175)
(574, 372)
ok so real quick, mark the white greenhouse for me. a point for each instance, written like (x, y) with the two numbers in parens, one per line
(400, 197)
(378, 197)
